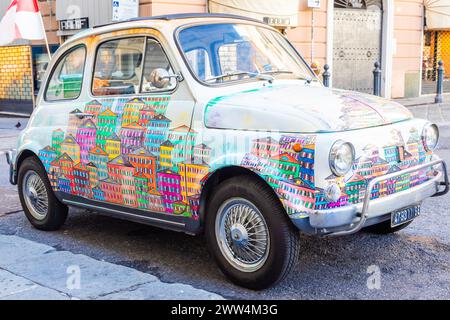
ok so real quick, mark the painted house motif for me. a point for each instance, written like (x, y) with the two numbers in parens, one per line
(202, 153)
(94, 107)
(144, 162)
(122, 172)
(112, 146)
(191, 175)
(74, 122)
(266, 147)
(106, 125)
(98, 193)
(145, 115)
(296, 197)
(86, 139)
(165, 155)
(82, 185)
(156, 133)
(47, 156)
(131, 136)
(158, 103)
(100, 159)
(131, 111)
(64, 184)
(57, 140)
(183, 140)
(141, 183)
(71, 147)
(169, 185)
(93, 174)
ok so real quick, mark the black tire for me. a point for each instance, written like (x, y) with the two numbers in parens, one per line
(56, 212)
(283, 250)
(385, 227)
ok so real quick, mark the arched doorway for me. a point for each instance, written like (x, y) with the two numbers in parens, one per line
(357, 36)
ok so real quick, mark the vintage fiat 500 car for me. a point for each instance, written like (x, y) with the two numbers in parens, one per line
(215, 124)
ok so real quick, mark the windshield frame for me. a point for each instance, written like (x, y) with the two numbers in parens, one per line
(237, 81)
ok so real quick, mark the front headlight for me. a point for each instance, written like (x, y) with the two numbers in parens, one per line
(342, 156)
(430, 136)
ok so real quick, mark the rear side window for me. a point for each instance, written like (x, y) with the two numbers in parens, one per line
(118, 67)
(67, 78)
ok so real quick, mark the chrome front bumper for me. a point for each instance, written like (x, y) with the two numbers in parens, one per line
(351, 218)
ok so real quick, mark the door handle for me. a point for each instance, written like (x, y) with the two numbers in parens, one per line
(82, 115)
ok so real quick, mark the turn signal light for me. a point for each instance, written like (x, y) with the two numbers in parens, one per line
(297, 147)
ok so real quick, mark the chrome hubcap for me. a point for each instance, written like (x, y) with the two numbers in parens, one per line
(35, 195)
(242, 234)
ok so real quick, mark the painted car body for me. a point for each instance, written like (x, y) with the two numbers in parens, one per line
(148, 157)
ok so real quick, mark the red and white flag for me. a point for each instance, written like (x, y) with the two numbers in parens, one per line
(21, 21)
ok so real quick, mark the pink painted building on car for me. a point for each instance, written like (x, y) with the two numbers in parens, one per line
(131, 137)
(169, 185)
(85, 138)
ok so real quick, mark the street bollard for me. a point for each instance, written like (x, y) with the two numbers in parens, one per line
(440, 83)
(377, 79)
(326, 76)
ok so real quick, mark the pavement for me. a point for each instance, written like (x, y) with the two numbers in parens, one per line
(31, 270)
(97, 257)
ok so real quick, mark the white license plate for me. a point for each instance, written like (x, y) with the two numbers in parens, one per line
(404, 215)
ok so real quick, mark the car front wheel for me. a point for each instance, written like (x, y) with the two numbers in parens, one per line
(249, 234)
(41, 207)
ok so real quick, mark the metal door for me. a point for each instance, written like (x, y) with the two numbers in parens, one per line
(357, 44)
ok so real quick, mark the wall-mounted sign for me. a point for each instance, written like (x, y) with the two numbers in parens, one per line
(276, 21)
(74, 24)
(277, 13)
(313, 3)
(125, 9)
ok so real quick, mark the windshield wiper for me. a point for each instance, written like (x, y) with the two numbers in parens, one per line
(277, 71)
(306, 78)
(257, 75)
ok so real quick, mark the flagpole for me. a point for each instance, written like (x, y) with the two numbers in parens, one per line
(45, 33)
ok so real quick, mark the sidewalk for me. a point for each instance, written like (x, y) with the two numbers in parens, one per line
(422, 100)
(9, 132)
(425, 108)
(30, 270)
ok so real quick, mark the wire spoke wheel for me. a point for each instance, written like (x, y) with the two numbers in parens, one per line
(35, 195)
(242, 234)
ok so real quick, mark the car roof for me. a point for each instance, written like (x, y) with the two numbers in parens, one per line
(174, 20)
(179, 16)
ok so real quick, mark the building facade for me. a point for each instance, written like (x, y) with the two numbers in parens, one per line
(348, 35)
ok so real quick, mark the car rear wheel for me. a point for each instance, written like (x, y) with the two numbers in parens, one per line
(249, 234)
(41, 207)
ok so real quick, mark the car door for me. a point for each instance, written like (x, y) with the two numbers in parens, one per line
(143, 142)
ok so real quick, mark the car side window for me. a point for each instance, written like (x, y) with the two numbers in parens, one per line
(199, 61)
(67, 78)
(118, 67)
(155, 58)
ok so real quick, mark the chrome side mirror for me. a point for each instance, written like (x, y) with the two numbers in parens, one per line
(160, 78)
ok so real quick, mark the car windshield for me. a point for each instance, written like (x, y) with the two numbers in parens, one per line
(218, 53)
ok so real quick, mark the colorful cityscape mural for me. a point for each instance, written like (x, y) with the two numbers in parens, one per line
(127, 153)
(291, 173)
